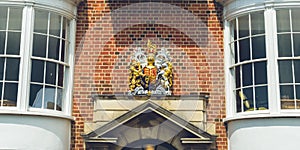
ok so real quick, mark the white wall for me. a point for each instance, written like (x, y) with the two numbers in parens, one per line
(264, 134)
(25, 132)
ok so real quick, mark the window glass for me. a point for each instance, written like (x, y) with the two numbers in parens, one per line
(284, 45)
(36, 92)
(3, 18)
(37, 74)
(261, 96)
(12, 69)
(41, 21)
(243, 26)
(55, 25)
(15, 19)
(283, 20)
(53, 50)
(39, 45)
(296, 44)
(287, 97)
(260, 72)
(10, 93)
(1, 68)
(237, 77)
(247, 74)
(285, 71)
(296, 20)
(50, 73)
(298, 92)
(2, 41)
(239, 100)
(244, 49)
(13, 43)
(258, 47)
(297, 70)
(248, 101)
(257, 23)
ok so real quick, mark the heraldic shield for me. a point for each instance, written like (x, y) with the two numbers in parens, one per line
(152, 73)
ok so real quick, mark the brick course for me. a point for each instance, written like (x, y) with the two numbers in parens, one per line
(108, 31)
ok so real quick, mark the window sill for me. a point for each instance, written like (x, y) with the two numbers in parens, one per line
(261, 115)
(35, 112)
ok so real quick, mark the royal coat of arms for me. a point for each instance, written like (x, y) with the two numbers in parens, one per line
(151, 72)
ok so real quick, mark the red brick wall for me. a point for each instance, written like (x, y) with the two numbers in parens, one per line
(108, 31)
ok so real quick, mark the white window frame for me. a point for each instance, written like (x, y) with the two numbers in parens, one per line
(231, 64)
(25, 58)
(291, 58)
(272, 65)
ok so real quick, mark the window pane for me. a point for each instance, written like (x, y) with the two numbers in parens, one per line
(298, 92)
(284, 45)
(287, 97)
(2, 41)
(261, 98)
(13, 43)
(12, 69)
(296, 20)
(36, 94)
(296, 44)
(15, 19)
(10, 91)
(61, 72)
(258, 47)
(238, 101)
(41, 21)
(50, 73)
(283, 20)
(65, 27)
(3, 18)
(1, 68)
(243, 26)
(257, 23)
(233, 30)
(260, 73)
(247, 74)
(285, 71)
(53, 51)
(244, 50)
(39, 45)
(248, 102)
(55, 24)
(49, 99)
(63, 47)
(238, 77)
(37, 71)
(297, 70)
(59, 99)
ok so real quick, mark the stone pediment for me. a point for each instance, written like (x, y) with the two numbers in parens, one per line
(149, 121)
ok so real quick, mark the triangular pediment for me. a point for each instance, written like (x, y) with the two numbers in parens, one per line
(149, 121)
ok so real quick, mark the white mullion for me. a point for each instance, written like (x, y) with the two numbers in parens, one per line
(45, 62)
(25, 52)
(5, 58)
(238, 61)
(292, 61)
(272, 65)
(252, 63)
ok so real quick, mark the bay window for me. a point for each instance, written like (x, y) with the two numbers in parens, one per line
(288, 34)
(35, 66)
(10, 38)
(263, 59)
(49, 62)
(249, 62)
